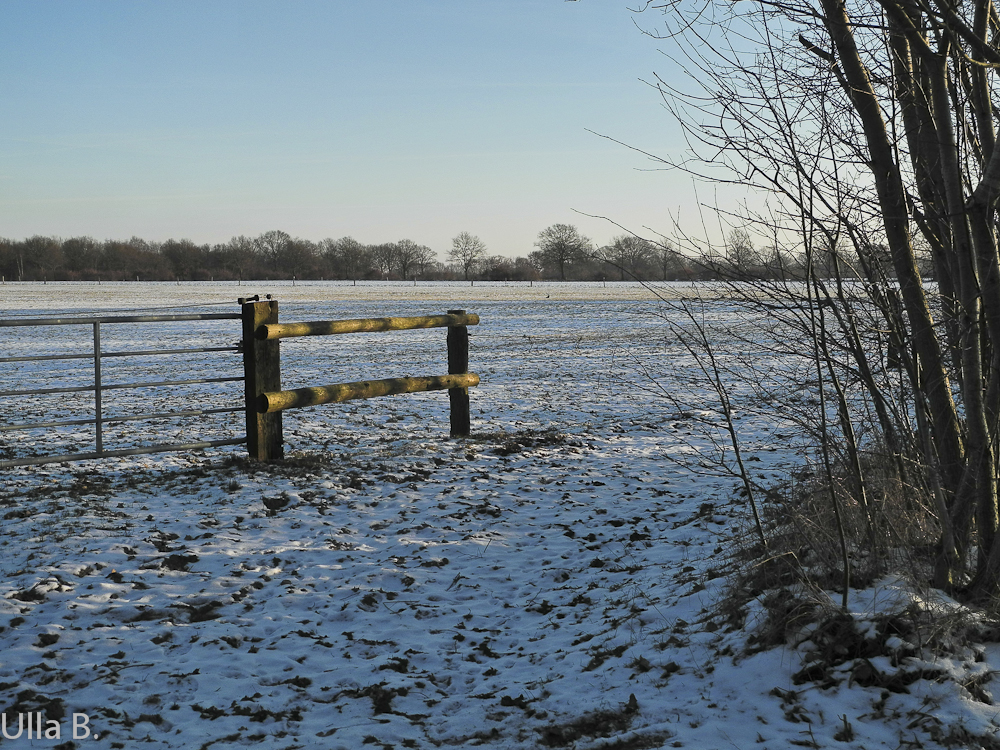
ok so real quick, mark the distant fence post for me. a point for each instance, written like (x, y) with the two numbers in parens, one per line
(458, 364)
(262, 369)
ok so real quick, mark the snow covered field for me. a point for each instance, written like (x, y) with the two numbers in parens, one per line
(549, 582)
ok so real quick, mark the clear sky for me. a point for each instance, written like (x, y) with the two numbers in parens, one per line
(323, 118)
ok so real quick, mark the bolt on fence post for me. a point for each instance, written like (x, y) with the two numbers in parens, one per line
(458, 364)
(262, 370)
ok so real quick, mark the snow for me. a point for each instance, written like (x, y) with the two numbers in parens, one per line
(552, 581)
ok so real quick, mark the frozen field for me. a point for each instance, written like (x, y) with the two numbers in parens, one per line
(120, 294)
(549, 582)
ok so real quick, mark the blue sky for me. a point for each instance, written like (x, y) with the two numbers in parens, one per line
(379, 120)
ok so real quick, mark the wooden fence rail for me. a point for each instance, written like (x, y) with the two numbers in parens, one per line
(271, 331)
(265, 400)
(330, 394)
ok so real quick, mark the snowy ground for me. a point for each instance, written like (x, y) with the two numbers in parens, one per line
(551, 581)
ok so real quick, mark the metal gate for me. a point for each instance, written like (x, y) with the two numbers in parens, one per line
(98, 386)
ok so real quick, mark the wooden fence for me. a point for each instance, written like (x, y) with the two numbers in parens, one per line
(265, 400)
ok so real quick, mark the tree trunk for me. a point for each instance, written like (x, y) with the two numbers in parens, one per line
(894, 214)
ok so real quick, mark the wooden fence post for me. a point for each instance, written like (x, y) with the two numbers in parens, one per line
(262, 369)
(458, 364)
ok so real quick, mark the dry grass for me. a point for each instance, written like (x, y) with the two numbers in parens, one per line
(788, 584)
(894, 532)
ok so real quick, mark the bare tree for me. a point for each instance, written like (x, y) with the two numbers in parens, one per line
(741, 255)
(385, 258)
(561, 246)
(299, 258)
(424, 259)
(468, 251)
(82, 255)
(410, 256)
(240, 256)
(631, 256)
(669, 263)
(271, 246)
(186, 258)
(497, 268)
(346, 257)
(867, 122)
(38, 256)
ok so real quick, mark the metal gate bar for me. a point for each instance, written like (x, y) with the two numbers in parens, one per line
(14, 322)
(39, 460)
(45, 391)
(118, 386)
(128, 418)
(160, 383)
(148, 353)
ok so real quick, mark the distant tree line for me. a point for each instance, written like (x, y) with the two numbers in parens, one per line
(562, 254)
